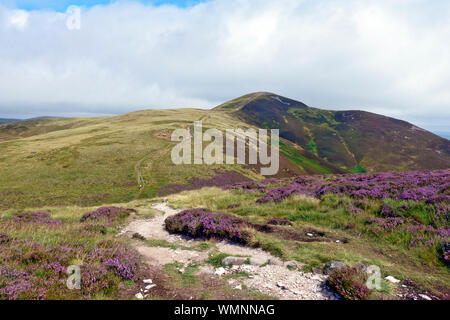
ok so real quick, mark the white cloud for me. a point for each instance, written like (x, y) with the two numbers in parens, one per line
(384, 56)
(18, 19)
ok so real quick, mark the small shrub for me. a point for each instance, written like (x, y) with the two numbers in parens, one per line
(93, 228)
(204, 223)
(349, 283)
(444, 252)
(36, 217)
(108, 213)
(4, 238)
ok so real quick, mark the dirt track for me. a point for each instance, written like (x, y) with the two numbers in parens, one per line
(267, 274)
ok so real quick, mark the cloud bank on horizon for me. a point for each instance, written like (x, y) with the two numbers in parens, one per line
(384, 56)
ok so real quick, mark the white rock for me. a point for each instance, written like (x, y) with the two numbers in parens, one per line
(310, 235)
(148, 281)
(239, 287)
(150, 286)
(392, 279)
(139, 296)
(234, 261)
(220, 271)
(281, 285)
(290, 264)
(257, 261)
(275, 262)
(248, 268)
(424, 296)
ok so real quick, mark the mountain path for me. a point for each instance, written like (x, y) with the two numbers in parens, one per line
(269, 275)
(137, 168)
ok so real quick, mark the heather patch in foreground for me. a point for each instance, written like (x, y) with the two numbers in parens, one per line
(429, 186)
(349, 283)
(36, 251)
(444, 251)
(204, 223)
(411, 208)
(33, 271)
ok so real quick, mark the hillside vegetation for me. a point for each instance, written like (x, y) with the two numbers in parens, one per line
(70, 188)
(88, 161)
(353, 140)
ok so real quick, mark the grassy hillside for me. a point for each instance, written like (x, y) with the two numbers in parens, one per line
(353, 140)
(91, 161)
(88, 161)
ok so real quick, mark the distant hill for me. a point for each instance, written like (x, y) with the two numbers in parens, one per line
(352, 140)
(6, 120)
(2, 120)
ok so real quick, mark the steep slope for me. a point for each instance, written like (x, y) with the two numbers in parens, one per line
(353, 140)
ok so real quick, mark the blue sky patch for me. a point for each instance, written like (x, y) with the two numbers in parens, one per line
(62, 5)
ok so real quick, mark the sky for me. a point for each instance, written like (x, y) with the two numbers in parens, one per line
(385, 56)
(62, 5)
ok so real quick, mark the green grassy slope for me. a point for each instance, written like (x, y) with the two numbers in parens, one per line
(89, 161)
(348, 139)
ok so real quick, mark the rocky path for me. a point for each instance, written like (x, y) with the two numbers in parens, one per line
(265, 273)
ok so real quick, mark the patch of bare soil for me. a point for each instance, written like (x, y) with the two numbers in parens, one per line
(158, 256)
(163, 135)
(161, 287)
(284, 232)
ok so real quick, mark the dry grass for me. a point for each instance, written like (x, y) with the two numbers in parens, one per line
(93, 161)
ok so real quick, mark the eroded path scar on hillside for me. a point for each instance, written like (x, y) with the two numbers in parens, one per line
(137, 167)
(266, 273)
